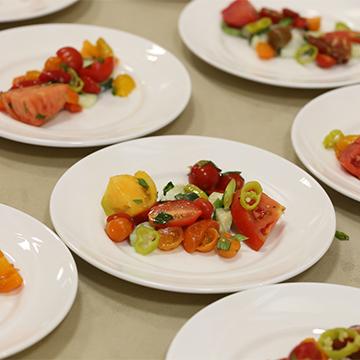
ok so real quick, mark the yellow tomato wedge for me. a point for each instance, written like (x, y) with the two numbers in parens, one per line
(10, 279)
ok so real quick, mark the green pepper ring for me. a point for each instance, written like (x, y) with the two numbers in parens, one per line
(252, 191)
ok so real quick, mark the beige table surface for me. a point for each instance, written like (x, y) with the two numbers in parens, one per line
(114, 319)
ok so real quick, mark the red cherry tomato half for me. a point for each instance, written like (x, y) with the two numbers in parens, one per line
(350, 158)
(71, 57)
(25, 83)
(57, 76)
(90, 86)
(99, 71)
(325, 61)
(225, 179)
(300, 23)
(274, 15)
(177, 213)
(205, 206)
(204, 174)
(290, 13)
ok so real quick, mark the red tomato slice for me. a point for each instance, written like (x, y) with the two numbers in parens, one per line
(325, 61)
(226, 177)
(307, 349)
(90, 86)
(181, 213)
(195, 234)
(239, 13)
(350, 158)
(256, 224)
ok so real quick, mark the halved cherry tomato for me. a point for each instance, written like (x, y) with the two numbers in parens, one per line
(196, 234)
(209, 241)
(308, 349)
(71, 57)
(300, 23)
(99, 71)
(274, 15)
(10, 279)
(73, 108)
(143, 216)
(343, 143)
(225, 179)
(53, 63)
(90, 86)
(25, 83)
(119, 228)
(325, 61)
(205, 206)
(57, 76)
(204, 174)
(290, 13)
(234, 246)
(174, 213)
(314, 23)
(170, 238)
(350, 158)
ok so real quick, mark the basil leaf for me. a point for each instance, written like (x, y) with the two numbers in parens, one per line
(143, 183)
(341, 236)
(240, 237)
(218, 203)
(168, 187)
(189, 196)
(138, 201)
(163, 218)
(223, 244)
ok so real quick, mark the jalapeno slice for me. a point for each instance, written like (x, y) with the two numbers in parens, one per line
(332, 138)
(250, 195)
(306, 54)
(147, 240)
(76, 83)
(257, 26)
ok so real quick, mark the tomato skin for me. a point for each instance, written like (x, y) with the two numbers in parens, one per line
(225, 179)
(99, 71)
(258, 223)
(170, 238)
(184, 213)
(205, 175)
(71, 57)
(195, 234)
(90, 86)
(206, 208)
(325, 61)
(350, 158)
(119, 229)
(119, 215)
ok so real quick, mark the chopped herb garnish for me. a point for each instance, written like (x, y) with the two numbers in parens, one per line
(163, 218)
(168, 187)
(341, 235)
(240, 237)
(113, 91)
(138, 201)
(26, 109)
(223, 244)
(189, 196)
(143, 183)
(218, 203)
(40, 116)
(106, 85)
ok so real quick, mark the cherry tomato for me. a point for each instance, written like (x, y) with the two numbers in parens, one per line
(209, 241)
(174, 213)
(71, 57)
(99, 71)
(233, 249)
(170, 238)
(300, 23)
(205, 206)
(350, 158)
(25, 83)
(325, 61)
(53, 63)
(90, 86)
(57, 76)
(143, 216)
(204, 174)
(119, 228)
(290, 13)
(196, 235)
(225, 179)
(308, 349)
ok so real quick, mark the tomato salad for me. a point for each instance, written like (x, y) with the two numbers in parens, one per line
(10, 278)
(347, 150)
(70, 80)
(333, 344)
(214, 211)
(288, 34)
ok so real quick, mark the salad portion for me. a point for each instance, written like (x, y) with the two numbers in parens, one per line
(288, 34)
(10, 278)
(70, 80)
(214, 211)
(347, 150)
(333, 344)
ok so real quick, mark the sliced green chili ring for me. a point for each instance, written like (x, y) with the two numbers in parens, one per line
(257, 26)
(229, 194)
(332, 138)
(147, 240)
(191, 188)
(231, 30)
(340, 235)
(250, 195)
(306, 54)
(327, 338)
(76, 83)
(341, 26)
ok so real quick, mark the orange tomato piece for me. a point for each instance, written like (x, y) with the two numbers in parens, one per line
(10, 279)
(344, 142)
(264, 50)
(170, 238)
(71, 96)
(234, 247)
(119, 229)
(209, 241)
(89, 50)
(53, 63)
(313, 24)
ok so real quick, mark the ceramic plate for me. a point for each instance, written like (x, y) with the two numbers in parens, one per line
(79, 219)
(265, 323)
(199, 27)
(163, 87)
(50, 281)
(16, 10)
(337, 109)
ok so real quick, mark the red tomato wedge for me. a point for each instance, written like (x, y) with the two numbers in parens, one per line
(350, 158)
(308, 349)
(239, 13)
(174, 213)
(256, 224)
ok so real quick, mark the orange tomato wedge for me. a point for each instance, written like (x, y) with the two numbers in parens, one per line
(170, 238)
(209, 241)
(10, 279)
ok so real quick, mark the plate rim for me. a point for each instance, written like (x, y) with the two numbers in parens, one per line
(188, 289)
(52, 325)
(57, 8)
(297, 147)
(245, 75)
(117, 139)
(170, 355)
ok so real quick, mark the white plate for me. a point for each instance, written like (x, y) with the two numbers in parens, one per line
(265, 323)
(199, 27)
(79, 219)
(337, 109)
(163, 87)
(50, 281)
(16, 10)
